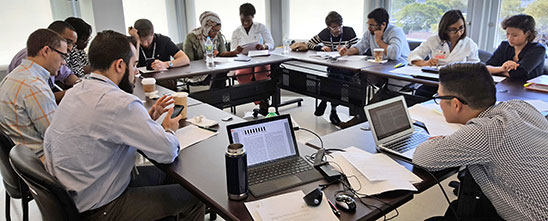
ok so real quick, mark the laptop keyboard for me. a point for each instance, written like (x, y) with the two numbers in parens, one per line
(277, 170)
(408, 143)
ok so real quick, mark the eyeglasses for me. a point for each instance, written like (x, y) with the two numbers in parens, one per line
(454, 31)
(69, 42)
(373, 25)
(334, 28)
(63, 55)
(437, 99)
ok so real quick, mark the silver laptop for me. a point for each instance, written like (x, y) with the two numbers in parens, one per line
(392, 127)
(273, 158)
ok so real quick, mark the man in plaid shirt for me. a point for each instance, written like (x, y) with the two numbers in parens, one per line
(27, 102)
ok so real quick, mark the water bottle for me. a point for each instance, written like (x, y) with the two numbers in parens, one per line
(271, 112)
(210, 62)
(236, 171)
(286, 44)
(261, 41)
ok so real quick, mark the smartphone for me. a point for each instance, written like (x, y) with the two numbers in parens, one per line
(177, 110)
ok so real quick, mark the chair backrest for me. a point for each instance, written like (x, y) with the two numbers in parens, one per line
(484, 55)
(413, 44)
(15, 187)
(51, 197)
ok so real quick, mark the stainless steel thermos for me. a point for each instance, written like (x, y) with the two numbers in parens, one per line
(236, 172)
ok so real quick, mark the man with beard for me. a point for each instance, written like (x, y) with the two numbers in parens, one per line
(93, 151)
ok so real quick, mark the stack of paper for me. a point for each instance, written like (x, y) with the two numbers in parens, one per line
(373, 174)
(328, 55)
(192, 134)
(289, 206)
(432, 117)
(256, 53)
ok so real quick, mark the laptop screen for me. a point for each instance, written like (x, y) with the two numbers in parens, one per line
(265, 140)
(389, 119)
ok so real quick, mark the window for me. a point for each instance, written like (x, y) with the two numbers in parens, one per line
(419, 19)
(307, 17)
(19, 24)
(229, 12)
(535, 8)
(153, 10)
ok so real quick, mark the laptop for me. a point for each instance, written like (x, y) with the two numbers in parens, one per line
(392, 127)
(273, 159)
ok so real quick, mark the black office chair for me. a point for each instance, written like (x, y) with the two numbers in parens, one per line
(15, 187)
(413, 44)
(51, 197)
(484, 55)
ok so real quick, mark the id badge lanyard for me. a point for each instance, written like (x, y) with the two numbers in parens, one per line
(153, 52)
(333, 48)
(440, 53)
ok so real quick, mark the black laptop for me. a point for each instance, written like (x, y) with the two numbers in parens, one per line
(273, 158)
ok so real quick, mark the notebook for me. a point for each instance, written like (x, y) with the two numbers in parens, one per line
(273, 158)
(392, 127)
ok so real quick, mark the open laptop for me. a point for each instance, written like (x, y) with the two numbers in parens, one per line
(392, 127)
(273, 158)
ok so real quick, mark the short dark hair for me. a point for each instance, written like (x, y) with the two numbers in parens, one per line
(333, 18)
(247, 9)
(380, 15)
(522, 21)
(60, 27)
(470, 82)
(107, 47)
(41, 38)
(450, 17)
(144, 27)
(82, 28)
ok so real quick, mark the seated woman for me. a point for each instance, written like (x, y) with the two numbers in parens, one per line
(195, 40)
(519, 57)
(250, 32)
(331, 38)
(450, 45)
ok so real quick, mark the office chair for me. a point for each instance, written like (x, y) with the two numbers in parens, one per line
(51, 197)
(484, 55)
(14, 187)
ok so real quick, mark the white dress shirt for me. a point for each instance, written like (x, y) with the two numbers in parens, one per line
(465, 50)
(257, 30)
(91, 145)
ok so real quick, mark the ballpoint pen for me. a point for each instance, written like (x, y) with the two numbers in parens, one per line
(207, 128)
(334, 208)
(399, 65)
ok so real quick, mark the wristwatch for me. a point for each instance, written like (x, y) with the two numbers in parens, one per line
(170, 64)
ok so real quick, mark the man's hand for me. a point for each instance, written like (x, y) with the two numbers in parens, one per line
(261, 47)
(171, 123)
(431, 62)
(343, 50)
(159, 65)
(215, 53)
(239, 49)
(160, 107)
(325, 48)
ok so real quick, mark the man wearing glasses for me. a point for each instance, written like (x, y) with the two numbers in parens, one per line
(503, 146)
(65, 75)
(27, 102)
(380, 35)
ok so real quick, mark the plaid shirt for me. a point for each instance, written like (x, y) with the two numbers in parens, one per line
(27, 104)
(506, 151)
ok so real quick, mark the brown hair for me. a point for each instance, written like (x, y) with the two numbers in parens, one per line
(107, 47)
(450, 17)
(524, 22)
(144, 27)
(41, 38)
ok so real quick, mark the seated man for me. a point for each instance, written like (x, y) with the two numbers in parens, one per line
(78, 59)
(27, 101)
(503, 145)
(93, 151)
(65, 76)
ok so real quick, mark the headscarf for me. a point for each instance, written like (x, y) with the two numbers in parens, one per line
(208, 20)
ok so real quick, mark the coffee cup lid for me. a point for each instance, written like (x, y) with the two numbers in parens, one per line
(180, 94)
(148, 81)
(378, 49)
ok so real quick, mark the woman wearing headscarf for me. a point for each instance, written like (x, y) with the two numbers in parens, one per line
(210, 26)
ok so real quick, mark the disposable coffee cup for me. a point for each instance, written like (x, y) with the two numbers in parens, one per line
(378, 53)
(149, 85)
(180, 98)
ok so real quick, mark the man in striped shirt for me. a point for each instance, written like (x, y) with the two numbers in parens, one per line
(504, 145)
(27, 101)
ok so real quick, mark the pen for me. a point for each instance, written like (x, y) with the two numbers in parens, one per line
(207, 128)
(527, 84)
(399, 65)
(334, 208)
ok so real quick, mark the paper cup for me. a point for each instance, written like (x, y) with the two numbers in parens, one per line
(378, 53)
(180, 98)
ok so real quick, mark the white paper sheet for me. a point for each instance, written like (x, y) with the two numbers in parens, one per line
(378, 166)
(364, 186)
(432, 117)
(498, 79)
(223, 59)
(330, 55)
(538, 104)
(415, 71)
(249, 46)
(289, 206)
(192, 134)
(256, 53)
(203, 123)
(353, 58)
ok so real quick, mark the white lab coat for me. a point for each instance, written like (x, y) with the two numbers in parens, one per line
(465, 50)
(257, 30)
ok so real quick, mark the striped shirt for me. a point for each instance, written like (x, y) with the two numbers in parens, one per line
(77, 60)
(506, 151)
(27, 104)
(324, 38)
